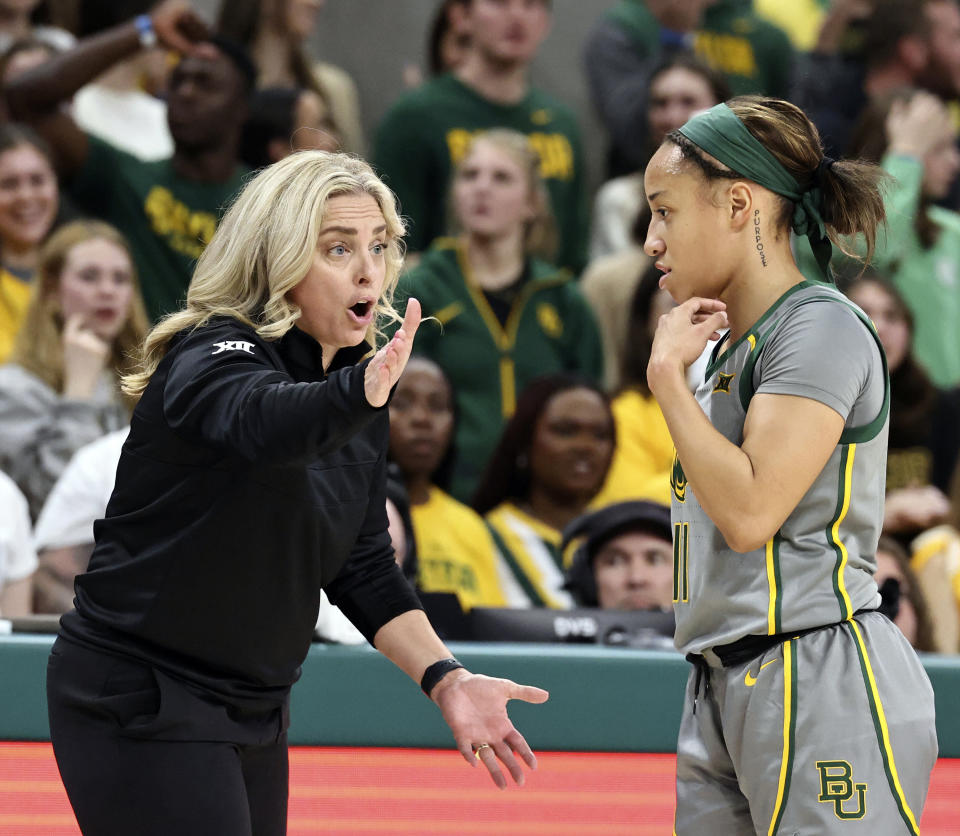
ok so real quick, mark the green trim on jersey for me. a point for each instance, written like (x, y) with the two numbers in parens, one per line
(849, 435)
(521, 577)
(844, 492)
(775, 583)
(789, 732)
(883, 733)
(753, 330)
(857, 435)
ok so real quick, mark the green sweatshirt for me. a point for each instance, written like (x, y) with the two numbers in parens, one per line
(427, 131)
(550, 329)
(166, 219)
(754, 55)
(929, 279)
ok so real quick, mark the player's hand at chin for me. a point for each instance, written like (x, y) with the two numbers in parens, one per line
(680, 338)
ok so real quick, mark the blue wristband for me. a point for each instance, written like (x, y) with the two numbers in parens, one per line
(145, 30)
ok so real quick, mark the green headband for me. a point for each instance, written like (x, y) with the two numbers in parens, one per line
(720, 133)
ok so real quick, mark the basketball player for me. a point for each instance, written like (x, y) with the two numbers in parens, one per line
(806, 711)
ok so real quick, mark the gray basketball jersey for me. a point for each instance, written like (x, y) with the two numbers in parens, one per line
(818, 568)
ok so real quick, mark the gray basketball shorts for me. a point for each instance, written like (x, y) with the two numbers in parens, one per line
(829, 733)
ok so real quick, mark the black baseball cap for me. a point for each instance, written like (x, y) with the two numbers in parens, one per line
(604, 524)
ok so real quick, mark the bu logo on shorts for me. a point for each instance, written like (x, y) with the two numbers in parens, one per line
(836, 785)
(233, 345)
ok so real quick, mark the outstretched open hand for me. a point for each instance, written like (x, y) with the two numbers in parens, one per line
(388, 363)
(475, 708)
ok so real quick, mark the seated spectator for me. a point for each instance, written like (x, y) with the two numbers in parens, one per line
(924, 442)
(455, 551)
(549, 465)
(167, 209)
(18, 559)
(634, 36)
(63, 534)
(625, 561)
(427, 132)
(935, 561)
(644, 456)
(504, 316)
(60, 389)
(283, 120)
(17, 23)
(679, 86)
(29, 198)
(912, 135)
(274, 32)
(921, 463)
(903, 599)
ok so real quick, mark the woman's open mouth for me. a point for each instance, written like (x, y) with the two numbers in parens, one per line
(362, 311)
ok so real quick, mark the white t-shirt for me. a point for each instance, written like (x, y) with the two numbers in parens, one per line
(80, 495)
(18, 558)
(130, 120)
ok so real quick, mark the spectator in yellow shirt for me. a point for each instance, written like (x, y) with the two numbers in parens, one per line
(644, 453)
(29, 199)
(455, 550)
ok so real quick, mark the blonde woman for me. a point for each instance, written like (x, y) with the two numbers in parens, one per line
(505, 315)
(254, 477)
(61, 388)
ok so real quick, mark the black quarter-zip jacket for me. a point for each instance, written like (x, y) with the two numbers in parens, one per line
(249, 481)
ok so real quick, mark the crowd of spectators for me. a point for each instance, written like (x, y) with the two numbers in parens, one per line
(530, 464)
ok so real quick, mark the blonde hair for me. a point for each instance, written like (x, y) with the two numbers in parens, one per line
(540, 232)
(39, 344)
(264, 247)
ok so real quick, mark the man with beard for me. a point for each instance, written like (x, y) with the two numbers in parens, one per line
(870, 47)
(168, 209)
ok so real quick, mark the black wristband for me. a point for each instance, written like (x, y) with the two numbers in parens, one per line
(437, 671)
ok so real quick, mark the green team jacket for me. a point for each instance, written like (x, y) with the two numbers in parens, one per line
(426, 132)
(550, 329)
(754, 55)
(928, 277)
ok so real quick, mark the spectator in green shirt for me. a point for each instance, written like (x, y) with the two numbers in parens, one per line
(168, 209)
(628, 42)
(912, 135)
(504, 316)
(427, 131)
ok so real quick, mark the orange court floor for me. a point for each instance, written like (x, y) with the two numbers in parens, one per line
(371, 792)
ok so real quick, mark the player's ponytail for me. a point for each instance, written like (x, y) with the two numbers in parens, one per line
(851, 198)
(774, 143)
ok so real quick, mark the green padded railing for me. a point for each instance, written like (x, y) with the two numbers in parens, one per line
(602, 699)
